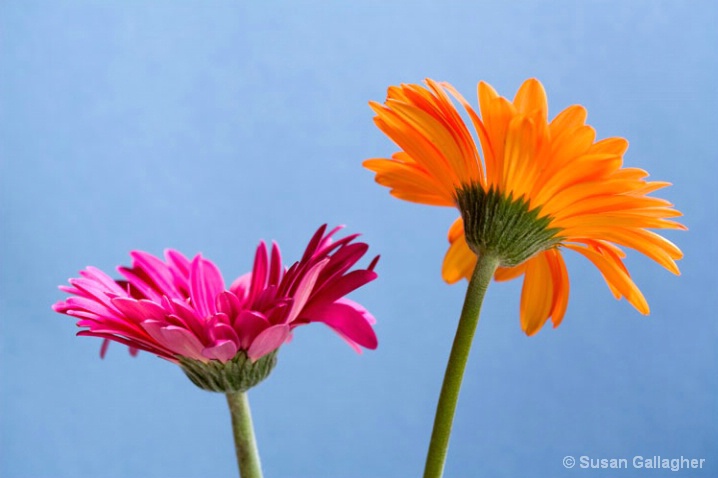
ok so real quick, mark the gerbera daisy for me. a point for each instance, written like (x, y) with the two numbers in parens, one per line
(181, 309)
(538, 187)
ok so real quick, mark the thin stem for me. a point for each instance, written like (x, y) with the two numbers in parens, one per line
(244, 443)
(444, 419)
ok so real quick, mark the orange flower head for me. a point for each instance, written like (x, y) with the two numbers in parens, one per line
(536, 187)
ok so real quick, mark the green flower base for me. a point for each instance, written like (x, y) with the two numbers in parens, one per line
(238, 375)
(502, 226)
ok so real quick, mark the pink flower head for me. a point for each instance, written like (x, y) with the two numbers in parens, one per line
(182, 308)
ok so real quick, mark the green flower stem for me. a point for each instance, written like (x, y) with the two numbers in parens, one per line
(244, 443)
(443, 421)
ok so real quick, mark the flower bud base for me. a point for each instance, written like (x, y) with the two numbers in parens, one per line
(238, 375)
(502, 226)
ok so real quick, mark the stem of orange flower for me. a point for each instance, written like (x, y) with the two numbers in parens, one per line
(244, 443)
(445, 409)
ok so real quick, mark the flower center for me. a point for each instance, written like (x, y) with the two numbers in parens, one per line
(503, 226)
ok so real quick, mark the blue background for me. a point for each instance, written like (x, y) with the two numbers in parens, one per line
(206, 126)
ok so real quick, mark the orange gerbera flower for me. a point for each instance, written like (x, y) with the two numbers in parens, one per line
(538, 186)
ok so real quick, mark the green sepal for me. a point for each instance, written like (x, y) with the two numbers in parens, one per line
(503, 226)
(238, 375)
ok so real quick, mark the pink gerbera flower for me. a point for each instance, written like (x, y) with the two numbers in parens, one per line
(182, 309)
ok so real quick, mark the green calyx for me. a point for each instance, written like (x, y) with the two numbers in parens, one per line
(502, 226)
(238, 375)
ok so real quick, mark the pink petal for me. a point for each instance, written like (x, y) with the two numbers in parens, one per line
(205, 284)
(157, 271)
(350, 342)
(359, 308)
(98, 276)
(248, 326)
(71, 290)
(179, 268)
(343, 285)
(222, 331)
(240, 287)
(182, 308)
(269, 340)
(304, 289)
(86, 319)
(220, 318)
(314, 243)
(132, 344)
(349, 320)
(139, 310)
(275, 266)
(61, 307)
(259, 271)
(172, 319)
(344, 259)
(228, 303)
(140, 284)
(278, 314)
(95, 290)
(341, 261)
(327, 242)
(177, 261)
(223, 351)
(122, 327)
(335, 245)
(373, 263)
(90, 305)
(187, 315)
(166, 303)
(178, 340)
(267, 299)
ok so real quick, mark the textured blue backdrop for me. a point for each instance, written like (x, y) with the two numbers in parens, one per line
(206, 126)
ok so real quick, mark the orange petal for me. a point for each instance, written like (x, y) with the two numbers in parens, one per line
(572, 225)
(496, 113)
(536, 295)
(654, 246)
(489, 155)
(570, 118)
(420, 148)
(530, 97)
(616, 276)
(503, 274)
(519, 156)
(459, 261)
(456, 229)
(561, 285)
(408, 181)
(439, 136)
(610, 145)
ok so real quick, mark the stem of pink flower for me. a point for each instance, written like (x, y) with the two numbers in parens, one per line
(244, 443)
(444, 419)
